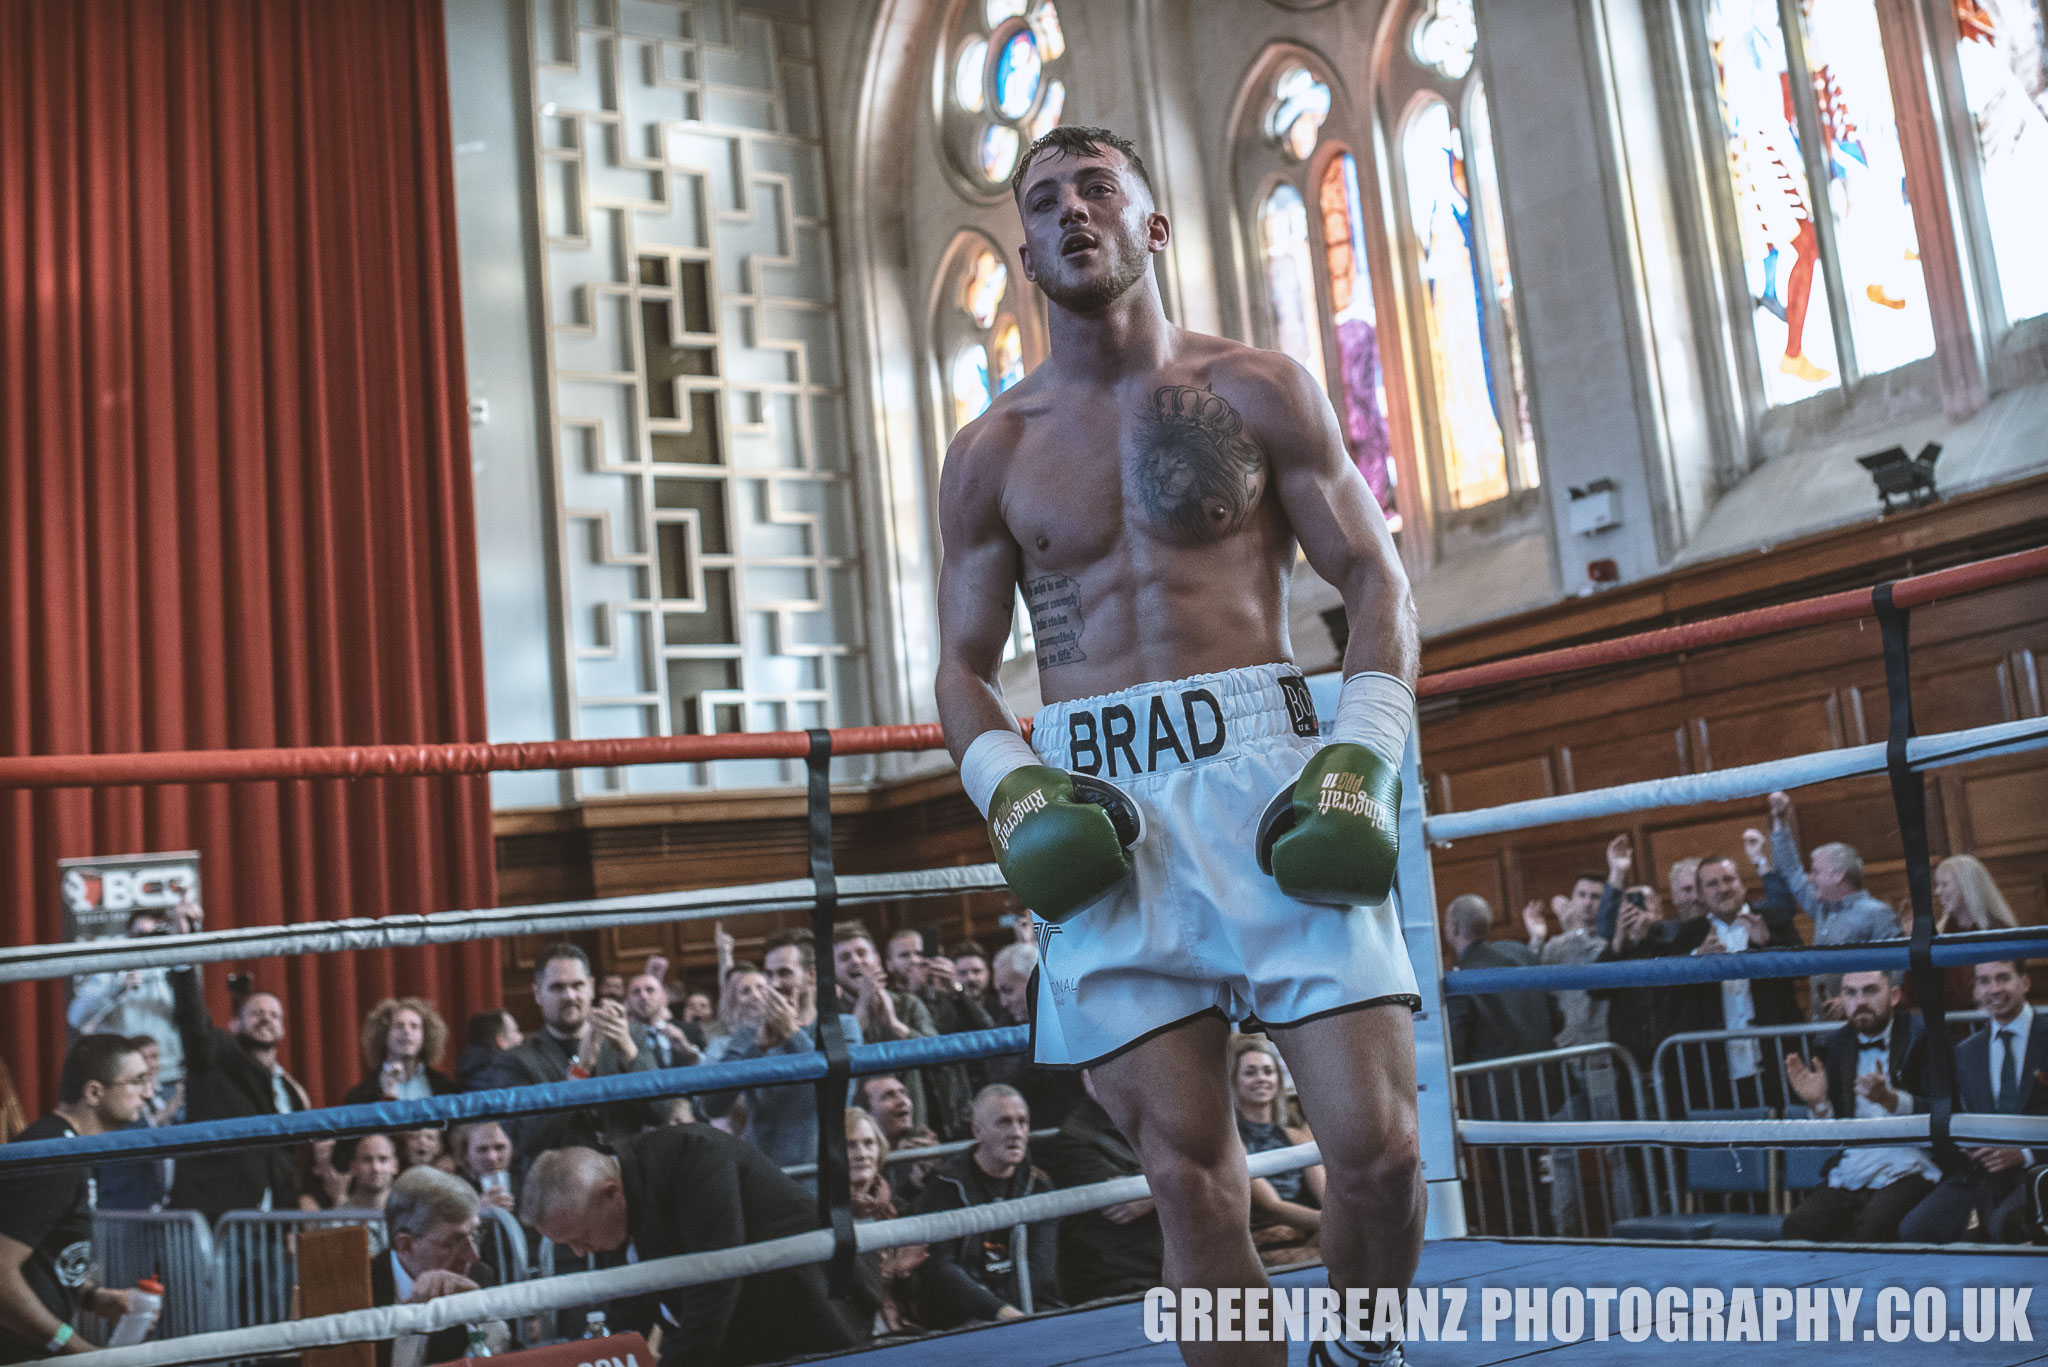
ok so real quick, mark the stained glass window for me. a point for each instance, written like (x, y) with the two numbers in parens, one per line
(1454, 308)
(982, 291)
(1006, 49)
(2004, 62)
(1486, 184)
(1358, 343)
(1017, 75)
(1445, 37)
(970, 384)
(1873, 221)
(1300, 105)
(968, 73)
(1009, 354)
(1290, 279)
(1780, 246)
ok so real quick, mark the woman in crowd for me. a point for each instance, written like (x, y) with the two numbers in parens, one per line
(403, 1037)
(1287, 1211)
(425, 1148)
(1967, 897)
(885, 1293)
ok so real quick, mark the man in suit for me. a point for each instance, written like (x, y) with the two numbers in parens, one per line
(1872, 1070)
(432, 1220)
(230, 1073)
(576, 1040)
(654, 1026)
(1500, 1025)
(2000, 1070)
(690, 1189)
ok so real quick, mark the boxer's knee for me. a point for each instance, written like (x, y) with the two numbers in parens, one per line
(1198, 1190)
(1376, 1175)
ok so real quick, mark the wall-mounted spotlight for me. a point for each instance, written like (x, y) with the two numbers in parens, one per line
(1900, 476)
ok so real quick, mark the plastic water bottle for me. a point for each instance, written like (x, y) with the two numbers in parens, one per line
(594, 1326)
(479, 1346)
(145, 1302)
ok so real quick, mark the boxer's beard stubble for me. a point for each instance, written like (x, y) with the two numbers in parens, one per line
(1095, 295)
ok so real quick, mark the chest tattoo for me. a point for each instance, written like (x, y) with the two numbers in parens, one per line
(1196, 472)
(1055, 602)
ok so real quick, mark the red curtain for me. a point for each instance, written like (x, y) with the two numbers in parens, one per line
(235, 502)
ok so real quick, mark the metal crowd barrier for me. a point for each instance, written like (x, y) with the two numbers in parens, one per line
(1524, 1190)
(175, 1247)
(1686, 1064)
(259, 1258)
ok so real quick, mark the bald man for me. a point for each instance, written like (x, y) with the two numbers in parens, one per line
(690, 1189)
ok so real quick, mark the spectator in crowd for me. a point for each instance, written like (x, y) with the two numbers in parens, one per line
(1493, 1024)
(228, 1074)
(791, 966)
(886, 1294)
(1732, 1075)
(782, 1121)
(46, 1262)
(612, 988)
(577, 1039)
(141, 1183)
(1010, 978)
(1287, 1208)
(699, 1013)
(691, 1189)
(402, 1039)
(135, 1001)
(1684, 882)
(13, 1118)
(975, 1277)
(970, 970)
(1968, 898)
(426, 1147)
(930, 978)
(1870, 1071)
(431, 1222)
(1578, 916)
(486, 1153)
(884, 1014)
(884, 1097)
(2002, 1069)
(654, 1027)
(488, 1034)
(371, 1161)
(1832, 895)
(1635, 1015)
(1051, 1093)
(1118, 1250)
(322, 1185)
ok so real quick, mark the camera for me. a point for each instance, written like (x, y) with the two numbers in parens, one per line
(241, 984)
(1636, 900)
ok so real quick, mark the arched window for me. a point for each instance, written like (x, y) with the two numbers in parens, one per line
(2002, 64)
(1474, 417)
(974, 327)
(1310, 231)
(999, 87)
(1805, 271)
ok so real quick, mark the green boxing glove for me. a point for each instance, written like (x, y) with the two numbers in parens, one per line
(1061, 838)
(1334, 835)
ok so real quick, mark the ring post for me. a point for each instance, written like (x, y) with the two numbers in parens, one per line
(835, 1198)
(1415, 898)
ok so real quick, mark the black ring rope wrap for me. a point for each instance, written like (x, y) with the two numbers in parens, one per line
(1909, 798)
(835, 1193)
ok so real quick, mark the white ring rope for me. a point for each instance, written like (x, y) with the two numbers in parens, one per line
(2004, 1131)
(1750, 780)
(27, 963)
(635, 1279)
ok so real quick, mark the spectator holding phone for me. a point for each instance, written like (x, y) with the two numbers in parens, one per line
(917, 967)
(402, 1038)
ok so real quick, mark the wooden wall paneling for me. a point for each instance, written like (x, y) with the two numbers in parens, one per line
(1633, 758)
(1787, 726)
(2005, 806)
(2026, 677)
(1491, 785)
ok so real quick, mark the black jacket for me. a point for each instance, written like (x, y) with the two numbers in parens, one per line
(224, 1081)
(372, 1089)
(949, 1088)
(1903, 1067)
(973, 1277)
(1499, 1024)
(692, 1188)
(1973, 1070)
(543, 1058)
(1099, 1257)
(445, 1345)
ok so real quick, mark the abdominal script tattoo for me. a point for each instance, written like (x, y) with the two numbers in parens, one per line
(1197, 474)
(1056, 619)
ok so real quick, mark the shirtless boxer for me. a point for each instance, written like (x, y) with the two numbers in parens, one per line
(1196, 852)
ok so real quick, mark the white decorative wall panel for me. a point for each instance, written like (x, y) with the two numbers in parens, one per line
(709, 574)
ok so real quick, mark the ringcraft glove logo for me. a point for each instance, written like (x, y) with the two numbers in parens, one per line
(1007, 824)
(1345, 794)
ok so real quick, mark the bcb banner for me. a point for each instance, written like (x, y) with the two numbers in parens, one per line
(100, 892)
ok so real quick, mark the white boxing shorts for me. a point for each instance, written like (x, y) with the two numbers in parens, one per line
(1197, 929)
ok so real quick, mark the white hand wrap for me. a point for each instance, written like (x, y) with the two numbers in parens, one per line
(1377, 711)
(993, 757)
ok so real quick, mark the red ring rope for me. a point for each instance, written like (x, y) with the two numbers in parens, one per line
(425, 760)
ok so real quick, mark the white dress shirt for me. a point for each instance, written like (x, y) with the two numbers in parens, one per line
(1867, 1168)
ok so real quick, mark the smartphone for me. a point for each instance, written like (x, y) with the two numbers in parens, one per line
(1637, 900)
(928, 941)
(241, 984)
